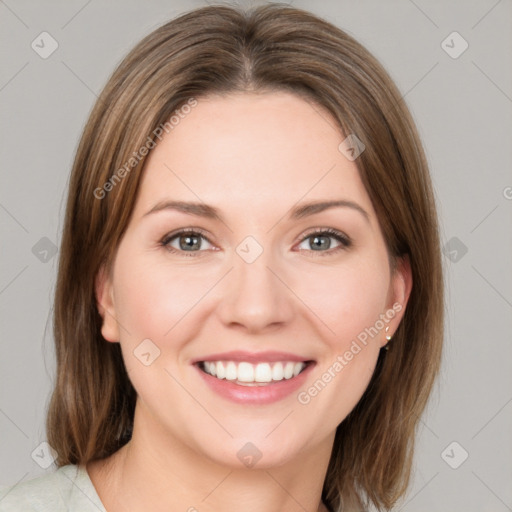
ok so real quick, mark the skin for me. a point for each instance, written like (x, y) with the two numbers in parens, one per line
(254, 157)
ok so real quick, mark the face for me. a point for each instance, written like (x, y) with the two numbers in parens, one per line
(249, 285)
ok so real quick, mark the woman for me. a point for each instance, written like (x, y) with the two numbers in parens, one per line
(250, 227)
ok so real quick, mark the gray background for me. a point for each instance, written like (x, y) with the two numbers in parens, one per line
(463, 107)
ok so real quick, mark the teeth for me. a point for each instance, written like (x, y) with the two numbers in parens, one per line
(277, 372)
(288, 370)
(263, 373)
(231, 373)
(245, 372)
(212, 368)
(220, 371)
(297, 368)
(253, 373)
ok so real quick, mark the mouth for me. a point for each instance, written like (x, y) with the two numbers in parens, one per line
(254, 378)
(244, 373)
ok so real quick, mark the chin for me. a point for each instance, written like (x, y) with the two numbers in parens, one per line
(255, 452)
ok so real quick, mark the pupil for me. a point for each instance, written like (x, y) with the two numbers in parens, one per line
(323, 244)
(191, 242)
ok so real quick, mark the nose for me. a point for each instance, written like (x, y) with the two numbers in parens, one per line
(255, 296)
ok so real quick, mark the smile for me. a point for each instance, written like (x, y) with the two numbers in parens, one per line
(244, 373)
(257, 378)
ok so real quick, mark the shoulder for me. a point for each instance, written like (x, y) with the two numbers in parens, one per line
(67, 488)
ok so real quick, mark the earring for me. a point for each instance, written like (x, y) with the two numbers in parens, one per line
(388, 337)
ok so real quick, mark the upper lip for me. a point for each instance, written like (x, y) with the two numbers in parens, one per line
(252, 357)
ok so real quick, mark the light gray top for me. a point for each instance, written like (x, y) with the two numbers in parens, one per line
(67, 489)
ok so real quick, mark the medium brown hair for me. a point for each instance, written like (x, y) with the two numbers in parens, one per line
(223, 50)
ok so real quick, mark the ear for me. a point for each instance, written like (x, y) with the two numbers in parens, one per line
(399, 292)
(105, 303)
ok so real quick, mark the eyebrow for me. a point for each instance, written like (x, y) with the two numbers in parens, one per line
(299, 212)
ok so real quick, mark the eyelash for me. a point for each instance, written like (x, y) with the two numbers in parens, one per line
(344, 240)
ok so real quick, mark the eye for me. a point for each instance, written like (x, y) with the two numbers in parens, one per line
(189, 242)
(320, 241)
(185, 241)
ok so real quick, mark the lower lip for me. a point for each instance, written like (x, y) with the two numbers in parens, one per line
(267, 394)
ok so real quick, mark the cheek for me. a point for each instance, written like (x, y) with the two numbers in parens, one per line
(157, 301)
(350, 302)
(347, 298)
(153, 299)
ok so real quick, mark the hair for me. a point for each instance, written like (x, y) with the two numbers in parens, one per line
(225, 50)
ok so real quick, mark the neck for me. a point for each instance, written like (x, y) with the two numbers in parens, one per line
(155, 470)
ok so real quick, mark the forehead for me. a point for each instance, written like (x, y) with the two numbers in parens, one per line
(251, 149)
